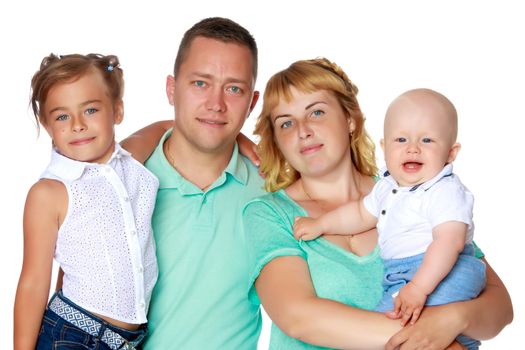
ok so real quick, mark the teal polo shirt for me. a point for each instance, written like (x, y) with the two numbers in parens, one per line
(200, 299)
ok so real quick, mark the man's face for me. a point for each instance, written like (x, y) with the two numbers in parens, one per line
(212, 94)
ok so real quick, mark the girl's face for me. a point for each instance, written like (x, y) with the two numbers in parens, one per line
(312, 131)
(79, 116)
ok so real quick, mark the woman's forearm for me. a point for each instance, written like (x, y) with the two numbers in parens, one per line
(485, 316)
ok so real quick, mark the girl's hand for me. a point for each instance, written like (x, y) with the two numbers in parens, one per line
(248, 149)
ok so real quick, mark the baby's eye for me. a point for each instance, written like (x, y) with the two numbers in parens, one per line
(426, 140)
(62, 117)
(401, 140)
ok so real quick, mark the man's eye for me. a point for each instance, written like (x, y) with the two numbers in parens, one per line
(235, 89)
(199, 83)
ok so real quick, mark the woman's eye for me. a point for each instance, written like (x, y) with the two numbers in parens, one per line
(286, 124)
(317, 113)
(401, 140)
(426, 140)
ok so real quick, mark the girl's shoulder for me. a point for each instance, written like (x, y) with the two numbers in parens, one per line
(48, 195)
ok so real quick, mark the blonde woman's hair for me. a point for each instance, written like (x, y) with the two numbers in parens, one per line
(310, 76)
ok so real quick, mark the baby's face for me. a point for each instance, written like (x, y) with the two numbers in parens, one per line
(419, 140)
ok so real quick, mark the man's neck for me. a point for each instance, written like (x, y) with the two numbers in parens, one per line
(197, 166)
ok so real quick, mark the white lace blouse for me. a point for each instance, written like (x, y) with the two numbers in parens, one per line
(105, 244)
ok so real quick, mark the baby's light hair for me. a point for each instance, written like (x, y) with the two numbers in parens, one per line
(58, 69)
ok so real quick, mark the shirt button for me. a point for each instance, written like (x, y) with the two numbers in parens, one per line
(107, 169)
(133, 233)
(142, 305)
(383, 212)
(394, 191)
(126, 199)
(118, 156)
(141, 269)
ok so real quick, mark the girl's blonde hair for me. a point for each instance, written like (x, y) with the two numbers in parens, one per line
(310, 76)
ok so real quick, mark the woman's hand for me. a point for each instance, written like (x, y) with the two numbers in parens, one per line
(436, 329)
(248, 149)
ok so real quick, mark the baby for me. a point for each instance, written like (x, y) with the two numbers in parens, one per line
(422, 211)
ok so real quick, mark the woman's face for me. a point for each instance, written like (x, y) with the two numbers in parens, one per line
(312, 131)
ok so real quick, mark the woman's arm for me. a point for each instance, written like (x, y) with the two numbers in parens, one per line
(480, 318)
(286, 291)
(40, 231)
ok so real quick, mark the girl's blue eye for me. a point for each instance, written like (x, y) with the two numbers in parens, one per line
(426, 140)
(91, 110)
(62, 117)
(401, 139)
(286, 124)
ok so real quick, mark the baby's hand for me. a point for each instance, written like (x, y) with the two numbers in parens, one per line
(409, 303)
(306, 228)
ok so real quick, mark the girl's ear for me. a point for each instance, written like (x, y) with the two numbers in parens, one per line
(119, 111)
(454, 150)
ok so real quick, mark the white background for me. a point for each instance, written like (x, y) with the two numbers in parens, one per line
(472, 51)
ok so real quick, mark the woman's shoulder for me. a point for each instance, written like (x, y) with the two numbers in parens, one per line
(276, 203)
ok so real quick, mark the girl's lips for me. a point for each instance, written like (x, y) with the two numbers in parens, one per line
(412, 167)
(81, 142)
(311, 149)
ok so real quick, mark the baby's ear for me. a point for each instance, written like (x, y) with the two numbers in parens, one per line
(454, 150)
(118, 110)
(382, 144)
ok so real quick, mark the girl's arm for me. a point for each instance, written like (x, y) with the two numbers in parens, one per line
(144, 141)
(349, 219)
(480, 318)
(285, 289)
(45, 201)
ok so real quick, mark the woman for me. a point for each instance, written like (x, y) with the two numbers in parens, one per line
(316, 155)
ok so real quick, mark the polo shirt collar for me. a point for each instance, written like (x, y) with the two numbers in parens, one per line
(445, 172)
(171, 178)
(70, 169)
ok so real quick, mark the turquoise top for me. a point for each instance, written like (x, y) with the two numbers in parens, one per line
(199, 301)
(336, 273)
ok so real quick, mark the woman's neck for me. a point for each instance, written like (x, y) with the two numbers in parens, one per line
(333, 189)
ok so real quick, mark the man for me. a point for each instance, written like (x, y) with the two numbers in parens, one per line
(200, 299)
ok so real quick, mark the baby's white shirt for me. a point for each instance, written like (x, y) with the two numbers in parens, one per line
(407, 215)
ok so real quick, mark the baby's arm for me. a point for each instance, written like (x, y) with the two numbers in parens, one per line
(440, 257)
(42, 214)
(349, 219)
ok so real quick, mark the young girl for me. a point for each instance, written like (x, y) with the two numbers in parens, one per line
(91, 210)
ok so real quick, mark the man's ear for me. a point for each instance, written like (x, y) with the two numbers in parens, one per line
(454, 150)
(119, 111)
(170, 89)
(255, 98)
